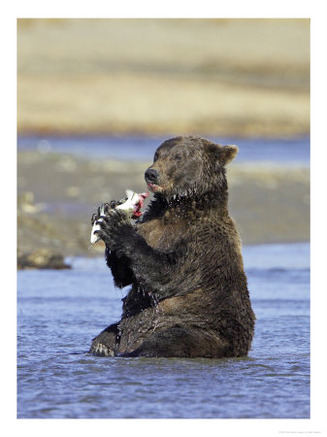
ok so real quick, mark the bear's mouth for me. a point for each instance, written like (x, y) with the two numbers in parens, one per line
(154, 187)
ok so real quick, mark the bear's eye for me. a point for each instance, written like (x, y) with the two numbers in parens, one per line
(156, 156)
(177, 157)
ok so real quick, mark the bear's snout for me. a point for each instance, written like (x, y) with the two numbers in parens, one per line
(151, 176)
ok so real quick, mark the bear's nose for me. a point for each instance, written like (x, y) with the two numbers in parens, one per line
(151, 175)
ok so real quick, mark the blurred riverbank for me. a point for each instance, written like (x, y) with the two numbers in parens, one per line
(240, 77)
(57, 194)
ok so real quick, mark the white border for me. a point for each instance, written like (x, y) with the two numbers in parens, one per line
(316, 10)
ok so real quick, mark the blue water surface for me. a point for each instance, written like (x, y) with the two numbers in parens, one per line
(59, 312)
(279, 151)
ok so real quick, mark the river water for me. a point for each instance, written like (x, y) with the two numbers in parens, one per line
(59, 312)
(284, 152)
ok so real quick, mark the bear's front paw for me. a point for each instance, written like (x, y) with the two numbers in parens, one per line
(114, 227)
(101, 350)
(102, 211)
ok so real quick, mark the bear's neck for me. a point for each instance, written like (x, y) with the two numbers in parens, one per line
(194, 205)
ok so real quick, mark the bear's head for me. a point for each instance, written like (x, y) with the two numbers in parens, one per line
(189, 166)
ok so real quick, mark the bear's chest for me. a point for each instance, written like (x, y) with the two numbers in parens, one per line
(160, 235)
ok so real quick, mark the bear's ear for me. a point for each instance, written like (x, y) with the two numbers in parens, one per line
(220, 153)
(227, 154)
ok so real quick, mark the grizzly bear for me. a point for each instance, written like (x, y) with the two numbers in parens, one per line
(182, 258)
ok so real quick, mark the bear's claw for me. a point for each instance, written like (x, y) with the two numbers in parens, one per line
(102, 350)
